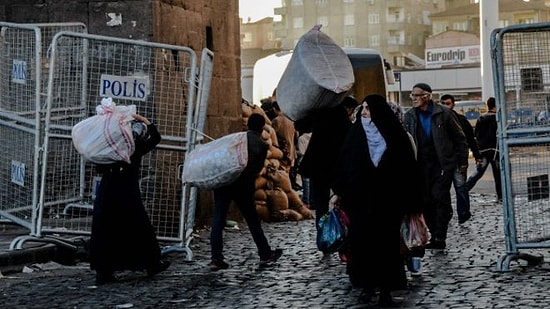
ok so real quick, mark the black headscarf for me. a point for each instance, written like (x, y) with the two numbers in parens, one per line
(387, 123)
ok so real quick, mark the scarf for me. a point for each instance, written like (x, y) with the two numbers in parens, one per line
(375, 140)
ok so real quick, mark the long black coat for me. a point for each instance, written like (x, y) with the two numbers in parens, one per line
(122, 235)
(376, 198)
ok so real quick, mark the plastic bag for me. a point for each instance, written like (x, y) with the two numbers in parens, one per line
(216, 163)
(106, 137)
(414, 231)
(332, 233)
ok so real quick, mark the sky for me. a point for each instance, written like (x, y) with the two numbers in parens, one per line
(257, 9)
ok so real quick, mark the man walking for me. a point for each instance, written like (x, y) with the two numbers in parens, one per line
(441, 147)
(459, 179)
(486, 135)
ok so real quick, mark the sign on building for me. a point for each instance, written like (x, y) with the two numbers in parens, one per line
(438, 57)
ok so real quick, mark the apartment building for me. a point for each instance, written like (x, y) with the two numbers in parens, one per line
(415, 36)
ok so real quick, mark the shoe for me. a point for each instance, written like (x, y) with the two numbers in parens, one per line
(465, 217)
(216, 265)
(366, 296)
(436, 244)
(272, 258)
(385, 300)
(104, 277)
(161, 266)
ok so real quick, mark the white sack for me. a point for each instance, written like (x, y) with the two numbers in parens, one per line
(318, 75)
(216, 163)
(106, 137)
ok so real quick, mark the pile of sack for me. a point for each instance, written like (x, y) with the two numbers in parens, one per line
(275, 199)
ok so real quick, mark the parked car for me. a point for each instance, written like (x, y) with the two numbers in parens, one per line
(471, 109)
(521, 115)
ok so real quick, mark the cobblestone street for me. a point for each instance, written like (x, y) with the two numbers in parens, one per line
(463, 276)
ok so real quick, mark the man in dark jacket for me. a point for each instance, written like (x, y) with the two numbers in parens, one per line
(441, 147)
(242, 192)
(459, 179)
(486, 135)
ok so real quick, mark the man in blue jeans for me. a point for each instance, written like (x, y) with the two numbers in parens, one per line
(242, 192)
(486, 135)
(441, 147)
(459, 179)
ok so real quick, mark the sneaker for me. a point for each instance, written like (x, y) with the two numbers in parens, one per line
(216, 265)
(273, 257)
(436, 244)
(464, 217)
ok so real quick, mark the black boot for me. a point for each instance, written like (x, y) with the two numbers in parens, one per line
(103, 277)
(385, 300)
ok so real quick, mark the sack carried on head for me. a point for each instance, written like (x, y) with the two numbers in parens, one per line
(106, 137)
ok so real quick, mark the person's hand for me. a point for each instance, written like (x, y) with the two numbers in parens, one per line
(138, 117)
(464, 170)
(479, 163)
(334, 202)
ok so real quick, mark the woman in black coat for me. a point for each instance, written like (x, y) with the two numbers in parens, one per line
(375, 185)
(123, 237)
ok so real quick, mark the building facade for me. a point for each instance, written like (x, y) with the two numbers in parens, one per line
(434, 41)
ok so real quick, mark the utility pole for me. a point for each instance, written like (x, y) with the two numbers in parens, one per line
(488, 16)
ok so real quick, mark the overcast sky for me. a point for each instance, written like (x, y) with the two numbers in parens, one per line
(257, 9)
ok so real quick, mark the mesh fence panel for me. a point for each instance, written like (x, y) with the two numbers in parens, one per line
(161, 80)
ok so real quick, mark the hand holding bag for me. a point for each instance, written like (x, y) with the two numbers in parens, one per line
(414, 231)
(331, 234)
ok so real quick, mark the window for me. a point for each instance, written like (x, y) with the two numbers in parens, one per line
(503, 23)
(270, 35)
(298, 22)
(247, 37)
(297, 2)
(526, 21)
(374, 18)
(323, 20)
(349, 42)
(460, 26)
(321, 2)
(531, 79)
(349, 20)
(375, 40)
(439, 27)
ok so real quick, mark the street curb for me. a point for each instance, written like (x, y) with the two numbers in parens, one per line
(14, 260)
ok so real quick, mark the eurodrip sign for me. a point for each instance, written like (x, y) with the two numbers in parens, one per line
(438, 57)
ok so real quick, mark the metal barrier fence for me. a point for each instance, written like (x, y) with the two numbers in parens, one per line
(521, 70)
(23, 79)
(167, 87)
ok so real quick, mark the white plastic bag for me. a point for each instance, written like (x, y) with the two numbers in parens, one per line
(216, 163)
(106, 137)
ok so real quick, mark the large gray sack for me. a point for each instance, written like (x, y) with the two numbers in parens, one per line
(319, 74)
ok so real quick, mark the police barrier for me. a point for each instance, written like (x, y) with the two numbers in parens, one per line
(521, 71)
(23, 77)
(167, 87)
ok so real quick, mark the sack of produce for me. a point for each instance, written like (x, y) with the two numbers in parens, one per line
(319, 74)
(216, 163)
(106, 137)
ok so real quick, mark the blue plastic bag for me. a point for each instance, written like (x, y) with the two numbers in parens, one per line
(331, 233)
